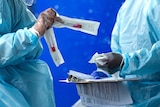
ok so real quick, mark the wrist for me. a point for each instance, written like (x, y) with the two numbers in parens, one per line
(34, 32)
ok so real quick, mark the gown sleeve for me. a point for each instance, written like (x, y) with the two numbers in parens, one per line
(146, 61)
(20, 43)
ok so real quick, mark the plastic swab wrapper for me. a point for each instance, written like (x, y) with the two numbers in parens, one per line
(86, 26)
(98, 58)
(53, 48)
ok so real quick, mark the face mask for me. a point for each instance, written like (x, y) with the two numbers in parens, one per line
(28, 2)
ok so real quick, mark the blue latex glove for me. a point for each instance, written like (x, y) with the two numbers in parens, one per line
(99, 74)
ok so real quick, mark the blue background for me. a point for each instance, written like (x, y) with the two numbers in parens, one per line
(76, 47)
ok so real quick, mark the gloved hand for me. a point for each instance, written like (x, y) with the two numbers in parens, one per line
(45, 21)
(114, 62)
(98, 74)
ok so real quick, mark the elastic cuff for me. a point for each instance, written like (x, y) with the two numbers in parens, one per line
(35, 32)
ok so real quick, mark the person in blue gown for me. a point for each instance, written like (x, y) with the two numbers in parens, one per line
(25, 80)
(135, 45)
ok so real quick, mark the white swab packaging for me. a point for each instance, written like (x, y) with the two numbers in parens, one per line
(98, 58)
(86, 26)
(53, 48)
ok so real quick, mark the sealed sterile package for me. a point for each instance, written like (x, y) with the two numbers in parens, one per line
(98, 58)
(53, 48)
(86, 26)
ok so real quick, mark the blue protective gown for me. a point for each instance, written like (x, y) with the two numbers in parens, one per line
(25, 81)
(136, 35)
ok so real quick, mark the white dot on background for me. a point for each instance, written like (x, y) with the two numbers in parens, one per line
(56, 7)
(90, 11)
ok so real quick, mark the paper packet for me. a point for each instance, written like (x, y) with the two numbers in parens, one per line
(53, 48)
(98, 58)
(86, 26)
